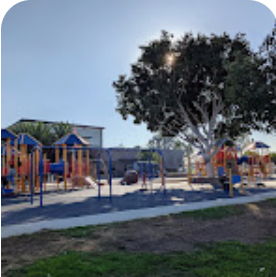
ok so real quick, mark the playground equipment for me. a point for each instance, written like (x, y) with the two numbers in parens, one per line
(77, 167)
(69, 161)
(259, 162)
(15, 153)
(6, 136)
(71, 140)
(72, 162)
(239, 167)
(145, 171)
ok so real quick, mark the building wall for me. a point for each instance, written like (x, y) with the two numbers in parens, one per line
(93, 136)
(124, 158)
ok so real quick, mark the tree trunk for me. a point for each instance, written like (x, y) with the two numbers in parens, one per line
(210, 170)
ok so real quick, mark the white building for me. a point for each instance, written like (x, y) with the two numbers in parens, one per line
(92, 134)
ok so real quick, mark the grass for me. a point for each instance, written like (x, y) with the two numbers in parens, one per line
(216, 213)
(205, 214)
(271, 201)
(80, 232)
(222, 259)
(222, 212)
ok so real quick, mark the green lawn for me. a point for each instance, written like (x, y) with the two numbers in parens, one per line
(205, 214)
(216, 213)
(220, 259)
(271, 201)
(223, 259)
(80, 232)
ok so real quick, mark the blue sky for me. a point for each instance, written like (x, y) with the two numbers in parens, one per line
(60, 57)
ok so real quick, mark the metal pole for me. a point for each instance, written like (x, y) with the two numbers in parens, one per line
(64, 152)
(41, 176)
(99, 175)
(150, 171)
(110, 174)
(57, 160)
(32, 196)
(16, 183)
(230, 183)
(189, 166)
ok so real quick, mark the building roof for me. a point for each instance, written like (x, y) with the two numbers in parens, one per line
(53, 122)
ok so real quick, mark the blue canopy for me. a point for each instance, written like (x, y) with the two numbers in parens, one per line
(25, 139)
(72, 139)
(6, 134)
(256, 145)
(259, 144)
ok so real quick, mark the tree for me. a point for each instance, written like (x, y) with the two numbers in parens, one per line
(268, 53)
(159, 142)
(243, 140)
(61, 129)
(148, 155)
(44, 133)
(39, 131)
(200, 89)
(273, 157)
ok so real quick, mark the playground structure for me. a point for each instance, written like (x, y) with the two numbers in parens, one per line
(247, 166)
(144, 172)
(34, 164)
(69, 164)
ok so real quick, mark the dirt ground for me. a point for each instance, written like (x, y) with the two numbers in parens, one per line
(158, 235)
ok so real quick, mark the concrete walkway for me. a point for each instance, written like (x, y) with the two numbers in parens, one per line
(85, 202)
(104, 218)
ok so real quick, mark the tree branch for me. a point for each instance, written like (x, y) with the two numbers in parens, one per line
(202, 111)
(191, 125)
(183, 136)
(217, 106)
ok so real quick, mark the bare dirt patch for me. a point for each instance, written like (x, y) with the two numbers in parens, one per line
(158, 235)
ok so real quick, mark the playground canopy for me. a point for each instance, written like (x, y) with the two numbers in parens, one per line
(71, 139)
(6, 134)
(25, 139)
(256, 145)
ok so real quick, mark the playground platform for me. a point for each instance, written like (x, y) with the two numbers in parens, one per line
(85, 202)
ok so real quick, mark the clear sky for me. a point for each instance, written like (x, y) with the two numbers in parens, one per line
(60, 57)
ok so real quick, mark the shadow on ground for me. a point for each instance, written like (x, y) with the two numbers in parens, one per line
(94, 205)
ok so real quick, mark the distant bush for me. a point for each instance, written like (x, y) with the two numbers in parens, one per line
(273, 157)
(44, 133)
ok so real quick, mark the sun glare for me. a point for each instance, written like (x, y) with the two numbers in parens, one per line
(170, 59)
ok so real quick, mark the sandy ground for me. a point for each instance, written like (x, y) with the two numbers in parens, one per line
(158, 235)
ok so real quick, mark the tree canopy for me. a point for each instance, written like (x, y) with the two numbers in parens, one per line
(195, 80)
(201, 88)
(268, 53)
(44, 133)
(159, 142)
